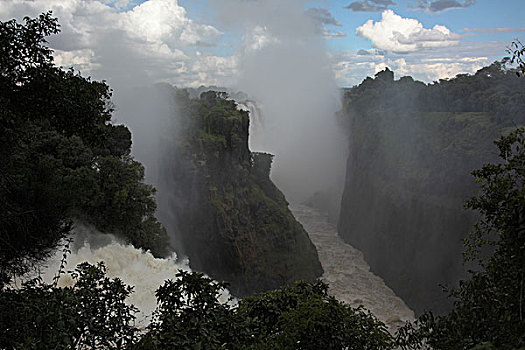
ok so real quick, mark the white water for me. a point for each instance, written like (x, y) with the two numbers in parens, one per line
(133, 266)
(347, 273)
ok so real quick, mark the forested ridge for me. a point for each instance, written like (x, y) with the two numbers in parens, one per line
(412, 149)
(63, 161)
(231, 220)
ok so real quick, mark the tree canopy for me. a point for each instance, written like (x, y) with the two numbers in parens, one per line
(62, 158)
(93, 313)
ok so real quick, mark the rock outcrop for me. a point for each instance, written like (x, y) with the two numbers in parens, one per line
(230, 219)
(412, 149)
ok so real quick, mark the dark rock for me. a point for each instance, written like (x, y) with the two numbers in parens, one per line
(232, 221)
(412, 149)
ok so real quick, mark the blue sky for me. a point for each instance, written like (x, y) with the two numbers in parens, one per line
(487, 14)
(501, 23)
(189, 42)
(483, 14)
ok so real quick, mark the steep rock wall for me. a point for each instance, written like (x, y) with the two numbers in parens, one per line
(412, 149)
(231, 220)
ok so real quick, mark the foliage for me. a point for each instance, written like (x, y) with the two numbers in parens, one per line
(90, 314)
(190, 316)
(302, 316)
(489, 307)
(493, 90)
(62, 159)
(517, 50)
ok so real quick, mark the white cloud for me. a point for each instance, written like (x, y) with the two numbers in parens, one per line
(351, 67)
(158, 41)
(165, 21)
(112, 39)
(397, 34)
(79, 58)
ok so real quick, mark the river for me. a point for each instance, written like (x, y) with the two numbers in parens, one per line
(345, 270)
(347, 273)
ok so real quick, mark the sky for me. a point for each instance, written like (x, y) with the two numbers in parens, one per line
(201, 42)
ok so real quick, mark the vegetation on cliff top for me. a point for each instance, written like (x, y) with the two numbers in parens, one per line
(62, 159)
(233, 222)
(412, 148)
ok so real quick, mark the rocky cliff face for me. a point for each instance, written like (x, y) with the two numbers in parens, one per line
(412, 149)
(231, 220)
(411, 239)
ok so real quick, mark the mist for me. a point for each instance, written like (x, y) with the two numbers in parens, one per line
(144, 107)
(133, 266)
(283, 65)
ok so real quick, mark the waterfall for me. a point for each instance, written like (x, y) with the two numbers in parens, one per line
(135, 267)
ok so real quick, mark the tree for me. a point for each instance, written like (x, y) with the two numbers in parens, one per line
(62, 159)
(489, 307)
(302, 316)
(90, 314)
(190, 316)
(517, 50)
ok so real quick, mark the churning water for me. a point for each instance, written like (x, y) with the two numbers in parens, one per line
(135, 267)
(347, 273)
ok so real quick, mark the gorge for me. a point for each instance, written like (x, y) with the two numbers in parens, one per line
(331, 217)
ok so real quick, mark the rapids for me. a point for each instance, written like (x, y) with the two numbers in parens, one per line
(347, 273)
(135, 267)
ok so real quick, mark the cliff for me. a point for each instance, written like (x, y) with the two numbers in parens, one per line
(412, 149)
(230, 219)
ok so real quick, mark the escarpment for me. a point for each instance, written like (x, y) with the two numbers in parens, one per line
(230, 219)
(413, 147)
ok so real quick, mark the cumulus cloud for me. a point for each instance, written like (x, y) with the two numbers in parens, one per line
(164, 21)
(370, 5)
(397, 34)
(434, 6)
(103, 38)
